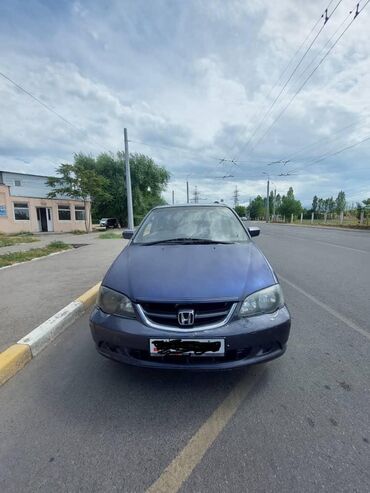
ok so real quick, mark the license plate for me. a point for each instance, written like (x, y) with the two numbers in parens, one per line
(187, 347)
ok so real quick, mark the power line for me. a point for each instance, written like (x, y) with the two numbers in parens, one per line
(168, 147)
(195, 153)
(49, 108)
(330, 154)
(308, 78)
(291, 60)
(318, 143)
(326, 44)
(292, 73)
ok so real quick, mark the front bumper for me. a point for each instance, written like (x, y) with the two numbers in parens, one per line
(247, 341)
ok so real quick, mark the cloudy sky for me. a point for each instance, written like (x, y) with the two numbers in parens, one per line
(193, 81)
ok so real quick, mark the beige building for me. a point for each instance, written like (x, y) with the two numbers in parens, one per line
(24, 206)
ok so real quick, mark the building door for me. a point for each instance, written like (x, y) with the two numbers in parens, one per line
(49, 219)
(42, 219)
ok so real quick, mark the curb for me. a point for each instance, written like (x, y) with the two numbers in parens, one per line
(15, 357)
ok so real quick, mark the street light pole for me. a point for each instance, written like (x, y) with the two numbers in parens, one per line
(130, 214)
(268, 201)
(187, 191)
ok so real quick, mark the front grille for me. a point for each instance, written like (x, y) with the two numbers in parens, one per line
(166, 314)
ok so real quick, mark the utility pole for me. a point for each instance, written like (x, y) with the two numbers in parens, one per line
(196, 195)
(268, 201)
(187, 191)
(173, 197)
(130, 214)
(274, 206)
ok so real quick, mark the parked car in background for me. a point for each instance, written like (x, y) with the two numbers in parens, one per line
(191, 291)
(109, 222)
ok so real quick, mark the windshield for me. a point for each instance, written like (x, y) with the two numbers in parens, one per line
(212, 224)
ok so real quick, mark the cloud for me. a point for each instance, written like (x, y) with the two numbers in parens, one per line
(192, 82)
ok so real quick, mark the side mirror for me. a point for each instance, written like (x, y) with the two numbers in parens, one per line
(127, 234)
(253, 231)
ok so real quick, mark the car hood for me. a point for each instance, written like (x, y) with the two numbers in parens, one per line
(181, 273)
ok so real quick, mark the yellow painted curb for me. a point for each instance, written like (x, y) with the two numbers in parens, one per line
(89, 297)
(12, 360)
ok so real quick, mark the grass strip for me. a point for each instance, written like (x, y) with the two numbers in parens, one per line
(9, 240)
(110, 236)
(16, 257)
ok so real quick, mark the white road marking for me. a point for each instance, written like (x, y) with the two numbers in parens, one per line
(326, 307)
(288, 238)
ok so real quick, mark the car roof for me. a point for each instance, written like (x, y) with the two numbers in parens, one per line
(170, 206)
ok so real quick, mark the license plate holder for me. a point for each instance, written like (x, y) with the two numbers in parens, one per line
(196, 348)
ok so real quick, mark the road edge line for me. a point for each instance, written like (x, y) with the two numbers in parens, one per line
(16, 356)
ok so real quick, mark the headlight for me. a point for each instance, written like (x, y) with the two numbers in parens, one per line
(115, 303)
(267, 300)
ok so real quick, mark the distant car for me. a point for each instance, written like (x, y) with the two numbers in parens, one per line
(109, 222)
(191, 291)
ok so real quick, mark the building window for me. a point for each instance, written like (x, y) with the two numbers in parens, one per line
(64, 212)
(79, 213)
(17, 183)
(21, 211)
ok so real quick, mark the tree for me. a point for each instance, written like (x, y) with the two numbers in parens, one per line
(365, 208)
(78, 181)
(257, 208)
(277, 202)
(315, 203)
(289, 205)
(340, 203)
(240, 210)
(148, 181)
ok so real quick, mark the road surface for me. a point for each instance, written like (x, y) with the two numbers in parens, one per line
(74, 421)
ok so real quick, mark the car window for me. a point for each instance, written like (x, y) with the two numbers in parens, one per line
(209, 223)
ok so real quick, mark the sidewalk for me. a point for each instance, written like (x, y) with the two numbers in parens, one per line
(45, 239)
(34, 291)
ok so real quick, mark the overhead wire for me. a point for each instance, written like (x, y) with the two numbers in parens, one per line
(305, 70)
(308, 78)
(335, 153)
(49, 108)
(277, 97)
(292, 58)
(318, 143)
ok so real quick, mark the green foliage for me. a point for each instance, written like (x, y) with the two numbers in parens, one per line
(9, 240)
(109, 235)
(240, 210)
(13, 258)
(340, 203)
(315, 203)
(148, 181)
(79, 181)
(103, 180)
(257, 208)
(289, 205)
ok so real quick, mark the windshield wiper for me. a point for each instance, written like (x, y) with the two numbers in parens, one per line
(188, 241)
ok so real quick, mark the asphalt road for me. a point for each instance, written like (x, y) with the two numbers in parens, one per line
(73, 421)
